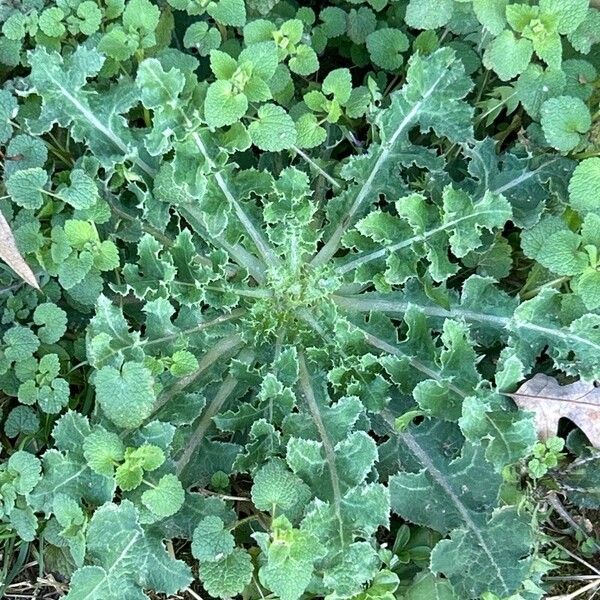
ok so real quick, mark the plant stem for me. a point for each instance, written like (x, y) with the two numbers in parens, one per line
(316, 167)
(216, 353)
(223, 393)
(243, 521)
(557, 505)
(309, 396)
(535, 291)
(255, 235)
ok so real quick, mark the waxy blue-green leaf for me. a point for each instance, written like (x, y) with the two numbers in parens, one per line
(528, 328)
(458, 490)
(431, 99)
(98, 120)
(426, 231)
(502, 565)
(521, 179)
(123, 553)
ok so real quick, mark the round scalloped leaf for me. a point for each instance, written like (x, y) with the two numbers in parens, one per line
(14, 28)
(536, 85)
(581, 76)
(278, 490)
(223, 106)
(569, 14)
(508, 56)
(184, 363)
(8, 110)
(21, 419)
(202, 38)
(274, 130)
(25, 187)
(54, 397)
(53, 321)
(166, 498)
(561, 253)
(21, 342)
(50, 22)
(211, 541)
(125, 396)
(228, 576)
(102, 449)
(425, 14)
(150, 457)
(91, 17)
(491, 14)
(82, 193)
(338, 83)
(588, 287)
(310, 133)
(228, 12)
(141, 15)
(386, 47)
(30, 151)
(27, 469)
(564, 120)
(588, 32)
(584, 187)
(305, 61)
(24, 522)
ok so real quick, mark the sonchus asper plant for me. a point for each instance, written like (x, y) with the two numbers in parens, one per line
(282, 300)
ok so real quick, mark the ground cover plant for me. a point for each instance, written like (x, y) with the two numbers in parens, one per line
(277, 277)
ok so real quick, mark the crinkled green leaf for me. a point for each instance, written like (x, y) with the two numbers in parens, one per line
(166, 498)
(583, 187)
(224, 106)
(491, 14)
(564, 120)
(277, 490)
(52, 321)
(291, 554)
(25, 187)
(125, 395)
(386, 47)
(102, 449)
(273, 130)
(425, 14)
(229, 12)
(507, 55)
(227, 576)
(211, 541)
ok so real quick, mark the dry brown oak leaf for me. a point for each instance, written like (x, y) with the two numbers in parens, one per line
(550, 401)
(11, 255)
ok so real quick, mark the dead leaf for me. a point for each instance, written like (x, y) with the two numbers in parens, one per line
(550, 401)
(11, 255)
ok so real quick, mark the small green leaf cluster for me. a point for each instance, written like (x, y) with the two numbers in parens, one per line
(546, 456)
(34, 22)
(293, 259)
